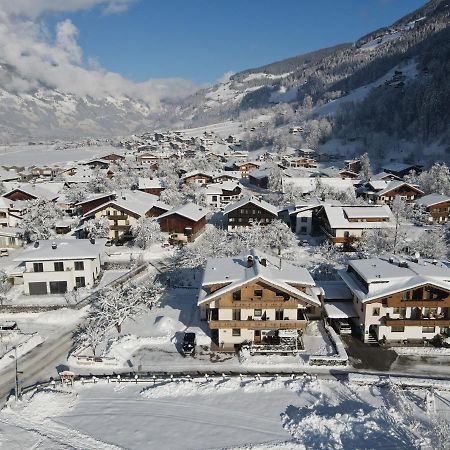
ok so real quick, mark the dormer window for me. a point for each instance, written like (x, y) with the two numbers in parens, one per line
(237, 295)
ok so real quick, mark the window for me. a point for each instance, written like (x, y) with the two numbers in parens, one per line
(79, 265)
(38, 267)
(397, 329)
(279, 314)
(257, 313)
(303, 230)
(59, 266)
(427, 329)
(80, 282)
(236, 295)
(214, 198)
(236, 332)
(236, 314)
(376, 311)
(303, 219)
(406, 295)
(258, 292)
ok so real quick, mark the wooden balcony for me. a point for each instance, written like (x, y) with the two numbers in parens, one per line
(421, 303)
(258, 303)
(418, 322)
(258, 324)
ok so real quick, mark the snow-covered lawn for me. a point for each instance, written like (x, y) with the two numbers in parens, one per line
(229, 413)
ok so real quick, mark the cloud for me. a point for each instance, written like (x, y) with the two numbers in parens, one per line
(225, 77)
(35, 59)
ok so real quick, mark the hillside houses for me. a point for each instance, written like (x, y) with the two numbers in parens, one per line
(252, 297)
(220, 195)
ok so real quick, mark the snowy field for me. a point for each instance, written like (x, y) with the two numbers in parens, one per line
(305, 413)
(29, 155)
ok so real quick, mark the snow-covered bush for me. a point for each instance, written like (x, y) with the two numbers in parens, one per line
(40, 220)
(147, 232)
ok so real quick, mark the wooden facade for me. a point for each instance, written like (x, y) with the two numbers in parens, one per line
(177, 224)
(249, 214)
(439, 212)
(89, 205)
(407, 193)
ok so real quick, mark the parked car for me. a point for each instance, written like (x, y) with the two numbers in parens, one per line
(4, 252)
(342, 326)
(189, 343)
(108, 243)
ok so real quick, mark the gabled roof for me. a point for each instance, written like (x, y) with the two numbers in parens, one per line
(189, 210)
(218, 188)
(392, 185)
(234, 272)
(432, 199)
(136, 202)
(37, 190)
(194, 173)
(149, 183)
(383, 175)
(254, 201)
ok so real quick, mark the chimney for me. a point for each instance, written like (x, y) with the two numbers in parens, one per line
(250, 261)
(54, 246)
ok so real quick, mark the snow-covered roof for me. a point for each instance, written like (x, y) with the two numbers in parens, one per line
(95, 197)
(189, 210)
(134, 201)
(432, 199)
(387, 276)
(395, 184)
(149, 183)
(65, 249)
(335, 290)
(398, 167)
(340, 310)
(42, 191)
(218, 188)
(338, 216)
(383, 175)
(308, 184)
(254, 201)
(235, 272)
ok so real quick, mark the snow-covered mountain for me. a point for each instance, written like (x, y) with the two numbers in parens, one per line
(400, 68)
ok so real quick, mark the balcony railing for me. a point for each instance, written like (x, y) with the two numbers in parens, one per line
(444, 322)
(258, 324)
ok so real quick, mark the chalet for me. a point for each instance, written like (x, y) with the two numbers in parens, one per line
(11, 237)
(32, 191)
(60, 266)
(345, 173)
(352, 165)
(300, 161)
(197, 177)
(437, 207)
(94, 201)
(260, 177)
(250, 298)
(147, 159)
(48, 172)
(400, 170)
(342, 225)
(125, 210)
(245, 167)
(113, 157)
(308, 185)
(184, 223)
(98, 164)
(384, 192)
(249, 211)
(220, 177)
(219, 195)
(399, 301)
(150, 186)
(384, 176)
(8, 175)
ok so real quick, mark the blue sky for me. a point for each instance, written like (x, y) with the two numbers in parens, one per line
(200, 40)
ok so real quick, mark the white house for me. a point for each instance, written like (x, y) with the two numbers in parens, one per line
(398, 300)
(219, 195)
(60, 266)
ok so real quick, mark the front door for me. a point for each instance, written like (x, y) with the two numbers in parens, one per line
(257, 336)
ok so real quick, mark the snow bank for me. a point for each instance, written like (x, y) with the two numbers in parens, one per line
(226, 385)
(422, 351)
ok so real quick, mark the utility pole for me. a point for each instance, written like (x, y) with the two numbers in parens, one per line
(17, 372)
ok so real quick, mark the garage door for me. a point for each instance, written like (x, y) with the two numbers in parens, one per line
(58, 287)
(38, 288)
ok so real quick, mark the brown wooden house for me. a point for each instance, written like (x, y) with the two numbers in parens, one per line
(437, 206)
(185, 223)
(249, 211)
